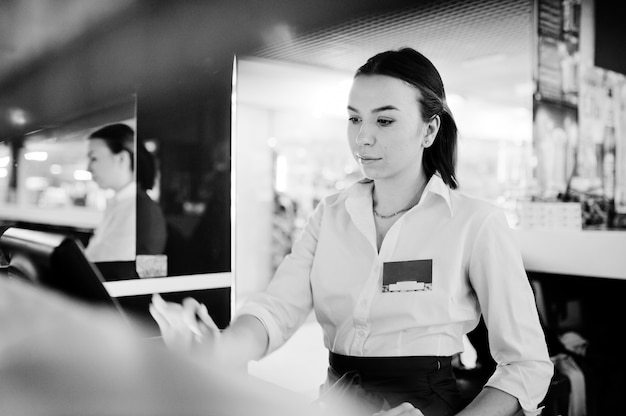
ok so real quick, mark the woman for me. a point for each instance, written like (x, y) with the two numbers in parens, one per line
(397, 268)
(133, 223)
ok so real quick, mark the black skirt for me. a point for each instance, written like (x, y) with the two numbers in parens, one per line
(381, 383)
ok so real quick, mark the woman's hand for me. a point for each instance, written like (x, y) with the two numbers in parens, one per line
(188, 328)
(405, 409)
(185, 327)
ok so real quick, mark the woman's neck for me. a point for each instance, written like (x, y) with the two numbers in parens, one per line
(392, 196)
(123, 184)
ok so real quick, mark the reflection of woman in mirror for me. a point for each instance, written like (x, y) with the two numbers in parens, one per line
(133, 223)
(397, 269)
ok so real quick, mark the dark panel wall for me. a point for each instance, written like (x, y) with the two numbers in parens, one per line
(610, 39)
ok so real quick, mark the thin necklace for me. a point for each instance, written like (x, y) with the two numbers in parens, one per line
(384, 217)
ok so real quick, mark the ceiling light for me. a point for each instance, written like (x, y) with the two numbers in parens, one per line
(36, 156)
(82, 175)
(17, 116)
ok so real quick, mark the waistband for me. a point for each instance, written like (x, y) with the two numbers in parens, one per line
(388, 367)
(427, 382)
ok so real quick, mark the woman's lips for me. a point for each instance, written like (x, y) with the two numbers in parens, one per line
(363, 159)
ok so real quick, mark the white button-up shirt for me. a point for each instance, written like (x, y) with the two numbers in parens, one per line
(336, 269)
(115, 237)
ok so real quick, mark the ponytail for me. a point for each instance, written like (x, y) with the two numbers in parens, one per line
(440, 157)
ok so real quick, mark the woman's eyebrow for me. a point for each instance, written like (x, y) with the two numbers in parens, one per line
(376, 110)
(384, 108)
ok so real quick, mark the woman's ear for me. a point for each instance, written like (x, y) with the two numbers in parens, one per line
(432, 127)
(124, 159)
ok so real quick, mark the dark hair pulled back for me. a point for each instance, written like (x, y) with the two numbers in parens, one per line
(120, 137)
(414, 68)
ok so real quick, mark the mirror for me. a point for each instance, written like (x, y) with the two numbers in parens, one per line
(183, 113)
(45, 182)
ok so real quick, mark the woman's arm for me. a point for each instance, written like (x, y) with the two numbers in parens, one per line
(489, 402)
(264, 323)
(516, 338)
(188, 327)
(244, 340)
(492, 402)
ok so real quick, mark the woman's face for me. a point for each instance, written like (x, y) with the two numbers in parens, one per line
(386, 132)
(108, 170)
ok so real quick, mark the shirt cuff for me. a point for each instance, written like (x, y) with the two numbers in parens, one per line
(274, 334)
(528, 382)
(535, 412)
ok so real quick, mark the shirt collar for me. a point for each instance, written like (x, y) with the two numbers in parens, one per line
(363, 190)
(437, 186)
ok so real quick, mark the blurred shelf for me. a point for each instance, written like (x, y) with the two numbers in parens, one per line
(69, 216)
(592, 253)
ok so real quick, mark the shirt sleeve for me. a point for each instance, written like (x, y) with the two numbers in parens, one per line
(288, 301)
(516, 339)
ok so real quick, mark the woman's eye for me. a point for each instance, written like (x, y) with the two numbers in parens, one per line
(353, 119)
(384, 121)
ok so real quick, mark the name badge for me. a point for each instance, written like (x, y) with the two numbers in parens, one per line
(408, 276)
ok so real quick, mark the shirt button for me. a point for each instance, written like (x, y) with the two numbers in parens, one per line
(361, 333)
(364, 303)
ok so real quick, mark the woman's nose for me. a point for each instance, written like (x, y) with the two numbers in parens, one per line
(365, 136)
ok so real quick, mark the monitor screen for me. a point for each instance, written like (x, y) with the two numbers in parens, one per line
(54, 260)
